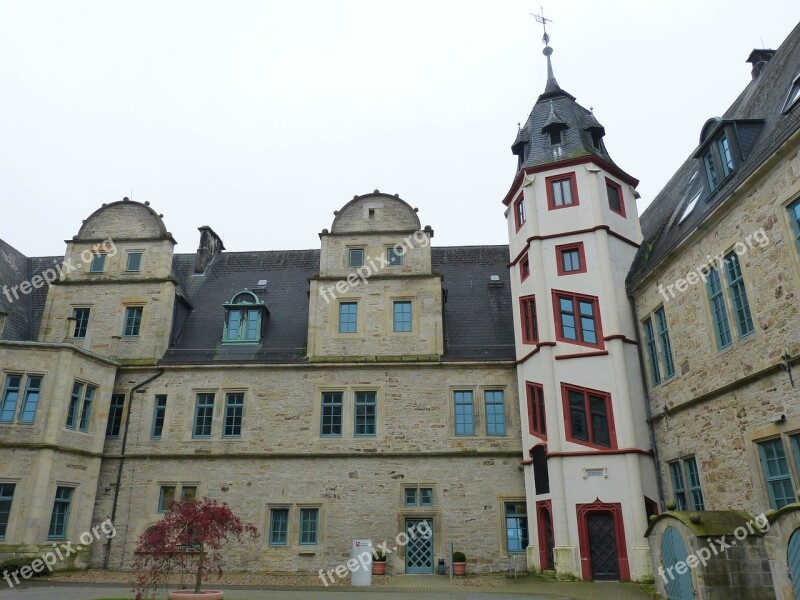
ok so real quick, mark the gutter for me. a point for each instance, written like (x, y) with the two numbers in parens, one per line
(122, 457)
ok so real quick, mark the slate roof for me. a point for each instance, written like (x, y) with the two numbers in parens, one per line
(478, 320)
(762, 99)
(556, 106)
(24, 312)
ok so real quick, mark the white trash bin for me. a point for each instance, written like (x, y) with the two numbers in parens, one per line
(362, 565)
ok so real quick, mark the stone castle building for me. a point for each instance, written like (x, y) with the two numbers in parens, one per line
(539, 402)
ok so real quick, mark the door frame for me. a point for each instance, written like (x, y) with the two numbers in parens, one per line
(615, 510)
(542, 507)
(429, 519)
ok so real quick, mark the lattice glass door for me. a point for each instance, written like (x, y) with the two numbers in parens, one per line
(419, 550)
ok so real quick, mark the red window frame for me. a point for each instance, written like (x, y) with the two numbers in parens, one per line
(612, 431)
(528, 320)
(524, 267)
(537, 425)
(565, 248)
(573, 183)
(557, 294)
(618, 187)
(519, 219)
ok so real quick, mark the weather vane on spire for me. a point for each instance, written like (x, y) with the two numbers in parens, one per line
(541, 19)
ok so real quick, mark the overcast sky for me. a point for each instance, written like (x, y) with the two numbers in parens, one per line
(260, 119)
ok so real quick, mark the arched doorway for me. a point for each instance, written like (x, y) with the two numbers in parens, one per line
(673, 551)
(793, 558)
(601, 535)
(544, 521)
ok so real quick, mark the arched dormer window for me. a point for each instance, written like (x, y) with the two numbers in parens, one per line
(243, 316)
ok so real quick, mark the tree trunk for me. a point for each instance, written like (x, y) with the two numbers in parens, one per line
(199, 579)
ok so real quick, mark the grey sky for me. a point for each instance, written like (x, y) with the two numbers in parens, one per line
(262, 118)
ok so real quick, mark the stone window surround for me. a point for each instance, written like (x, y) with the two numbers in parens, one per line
(418, 485)
(478, 410)
(23, 386)
(783, 430)
(736, 339)
(16, 483)
(178, 485)
(389, 315)
(293, 526)
(502, 500)
(687, 489)
(663, 379)
(218, 415)
(128, 252)
(75, 485)
(348, 412)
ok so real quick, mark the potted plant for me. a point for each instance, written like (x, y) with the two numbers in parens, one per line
(379, 562)
(459, 563)
(188, 538)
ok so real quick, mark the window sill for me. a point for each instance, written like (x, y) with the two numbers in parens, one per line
(306, 553)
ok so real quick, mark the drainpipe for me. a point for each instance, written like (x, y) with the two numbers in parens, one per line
(122, 457)
(647, 409)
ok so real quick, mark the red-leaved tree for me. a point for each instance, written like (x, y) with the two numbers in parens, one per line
(189, 537)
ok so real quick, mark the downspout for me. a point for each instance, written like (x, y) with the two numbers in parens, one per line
(122, 457)
(647, 408)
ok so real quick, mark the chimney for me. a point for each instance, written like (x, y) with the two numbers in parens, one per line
(210, 246)
(758, 58)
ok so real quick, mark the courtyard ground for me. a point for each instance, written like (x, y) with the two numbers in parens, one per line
(422, 587)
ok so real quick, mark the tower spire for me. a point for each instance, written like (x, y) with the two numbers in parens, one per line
(552, 84)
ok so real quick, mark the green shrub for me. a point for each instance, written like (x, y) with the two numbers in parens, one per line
(459, 557)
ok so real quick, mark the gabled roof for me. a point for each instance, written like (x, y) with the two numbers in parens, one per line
(764, 127)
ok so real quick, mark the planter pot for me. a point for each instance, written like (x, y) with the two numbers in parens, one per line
(190, 595)
(459, 568)
(379, 568)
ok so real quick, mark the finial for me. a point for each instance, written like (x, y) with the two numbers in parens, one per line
(545, 38)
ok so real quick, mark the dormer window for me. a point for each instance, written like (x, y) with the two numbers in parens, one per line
(243, 319)
(794, 94)
(555, 137)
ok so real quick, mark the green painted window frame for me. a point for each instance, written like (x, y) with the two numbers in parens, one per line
(159, 416)
(395, 258)
(98, 264)
(115, 412)
(30, 400)
(278, 526)
(777, 473)
(366, 414)
(86, 408)
(348, 317)
(165, 497)
(410, 496)
(402, 316)
(426, 496)
(59, 516)
(355, 257)
(794, 217)
(234, 415)
(133, 265)
(81, 316)
(738, 294)
(678, 486)
(11, 389)
(203, 424)
(725, 155)
(516, 529)
(719, 311)
(495, 407)
(652, 352)
(711, 171)
(132, 325)
(464, 410)
(74, 404)
(693, 481)
(664, 343)
(309, 526)
(332, 414)
(6, 500)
